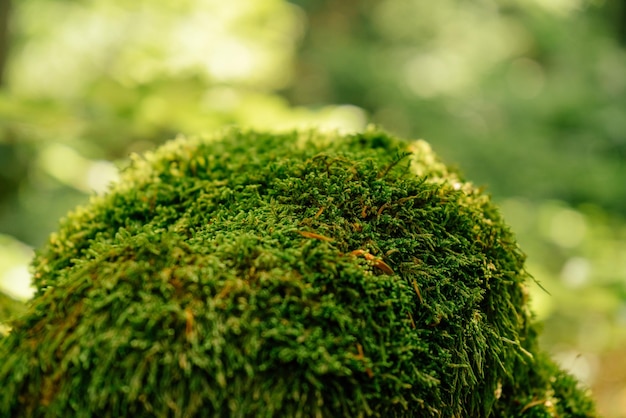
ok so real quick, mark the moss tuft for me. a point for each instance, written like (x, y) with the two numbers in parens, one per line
(293, 275)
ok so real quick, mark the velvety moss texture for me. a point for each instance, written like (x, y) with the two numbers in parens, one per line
(283, 275)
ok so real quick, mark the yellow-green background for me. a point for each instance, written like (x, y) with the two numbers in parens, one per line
(526, 97)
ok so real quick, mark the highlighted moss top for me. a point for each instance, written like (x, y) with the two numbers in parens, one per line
(295, 275)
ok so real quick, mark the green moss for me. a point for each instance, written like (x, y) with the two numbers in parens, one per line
(295, 275)
(9, 308)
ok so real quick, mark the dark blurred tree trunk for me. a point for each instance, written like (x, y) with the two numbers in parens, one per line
(5, 11)
(621, 22)
(329, 62)
(614, 16)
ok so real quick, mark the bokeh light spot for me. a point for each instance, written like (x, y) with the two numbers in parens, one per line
(576, 272)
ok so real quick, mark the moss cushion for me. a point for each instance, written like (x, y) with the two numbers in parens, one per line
(303, 274)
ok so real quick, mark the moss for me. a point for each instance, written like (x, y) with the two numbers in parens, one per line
(9, 308)
(294, 275)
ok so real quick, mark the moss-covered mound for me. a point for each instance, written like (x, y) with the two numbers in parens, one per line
(296, 275)
(9, 308)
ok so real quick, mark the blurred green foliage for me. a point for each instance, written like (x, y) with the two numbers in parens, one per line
(527, 97)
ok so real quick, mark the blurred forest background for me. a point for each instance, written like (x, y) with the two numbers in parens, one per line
(526, 97)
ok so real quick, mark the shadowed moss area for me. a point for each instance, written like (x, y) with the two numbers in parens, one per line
(283, 275)
(9, 308)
